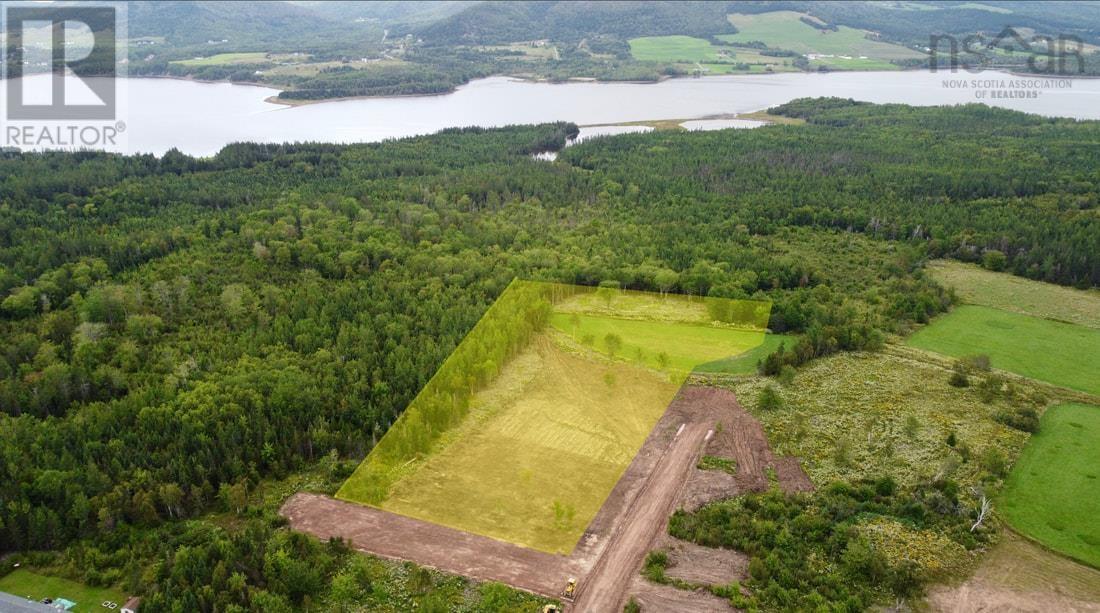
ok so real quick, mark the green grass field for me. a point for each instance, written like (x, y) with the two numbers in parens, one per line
(784, 30)
(715, 59)
(1055, 352)
(225, 58)
(32, 586)
(745, 363)
(976, 285)
(1053, 492)
(674, 49)
(685, 346)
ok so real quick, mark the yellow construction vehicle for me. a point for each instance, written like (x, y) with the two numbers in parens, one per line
(570, 589)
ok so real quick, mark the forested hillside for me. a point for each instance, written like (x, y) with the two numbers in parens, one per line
(179, 334)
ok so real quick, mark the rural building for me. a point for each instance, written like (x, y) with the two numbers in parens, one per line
(131, 605)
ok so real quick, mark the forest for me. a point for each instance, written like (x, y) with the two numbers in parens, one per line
(182, 335)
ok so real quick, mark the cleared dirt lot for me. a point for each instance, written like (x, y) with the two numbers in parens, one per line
(1018, 576)
(398, 537)
(632, 521)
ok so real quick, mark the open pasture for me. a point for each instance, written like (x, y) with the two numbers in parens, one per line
(785, 30)
(1053, 492)
(1063, 354)
(976, 285)
(222, 59)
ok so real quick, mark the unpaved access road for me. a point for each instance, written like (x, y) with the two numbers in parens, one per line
(605, 587)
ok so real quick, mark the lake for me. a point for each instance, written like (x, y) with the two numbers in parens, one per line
(200, 118)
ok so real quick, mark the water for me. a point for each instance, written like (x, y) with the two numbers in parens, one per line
(200, 118)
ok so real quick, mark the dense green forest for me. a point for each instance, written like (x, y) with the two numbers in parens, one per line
(180, 333)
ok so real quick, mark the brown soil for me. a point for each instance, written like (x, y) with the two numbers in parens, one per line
(703, 565)
(653, 597)
(398, 537)
(741, 438)
(1017, 575)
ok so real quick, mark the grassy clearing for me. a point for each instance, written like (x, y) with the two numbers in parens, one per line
(683, 346)
(222, 59)
(745, 363)
(856, 416)
(675, 49)
(1053, 493)
(784, 30)
(1051, 351)
(976, 285)
(33, 586)
(542, 448)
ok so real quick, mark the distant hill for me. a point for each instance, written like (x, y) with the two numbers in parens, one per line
(249, 26)
(502, 22)
(914, 22)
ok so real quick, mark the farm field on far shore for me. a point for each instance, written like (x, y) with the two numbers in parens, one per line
(26, 584)
(785, 30)
(1055, 352)
(1053, 492)
(674, 49)
(976, 285)
(225, 58)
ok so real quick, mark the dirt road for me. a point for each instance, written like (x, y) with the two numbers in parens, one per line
(403, 538)
(605, 587)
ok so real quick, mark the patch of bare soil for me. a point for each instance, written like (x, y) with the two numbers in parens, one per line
(740, 437)
(703, 565)
(395, 536)
(656, 598)
(1019, 576)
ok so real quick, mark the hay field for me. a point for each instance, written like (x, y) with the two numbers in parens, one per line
(541, 450)
(976, 285)
(784, 30)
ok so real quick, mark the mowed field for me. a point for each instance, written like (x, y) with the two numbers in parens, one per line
(674, 49)
(785, 30)
(33, 586)
(225, 58)
(1053, 492)
(716, 59)
(975, 285)
(541, 450)
(1052, 351)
